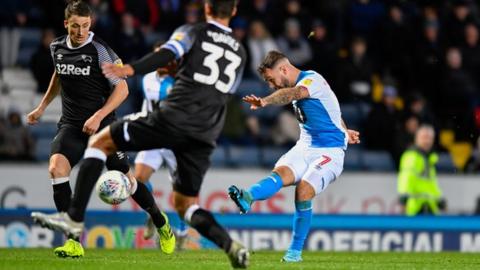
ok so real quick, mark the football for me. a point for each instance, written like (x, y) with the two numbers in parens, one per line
(113, 187)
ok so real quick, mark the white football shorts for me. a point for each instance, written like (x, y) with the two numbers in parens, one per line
(157, 157)
(318, 166)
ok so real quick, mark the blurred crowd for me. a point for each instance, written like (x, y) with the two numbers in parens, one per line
(393, 64)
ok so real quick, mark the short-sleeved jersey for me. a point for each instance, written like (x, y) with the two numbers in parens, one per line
(319, 115)
(84, 88)
(155, 89)
(210, 69)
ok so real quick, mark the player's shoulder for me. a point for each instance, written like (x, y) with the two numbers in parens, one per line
(309, 77)
(97, 41)
(58, 41)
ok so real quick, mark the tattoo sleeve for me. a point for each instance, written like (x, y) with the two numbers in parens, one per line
(285, 95)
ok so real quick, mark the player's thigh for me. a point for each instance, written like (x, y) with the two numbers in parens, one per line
(71, 143)
(143, 172)
(294, 159)
(143, 134)
(324, 169)
(192, 164)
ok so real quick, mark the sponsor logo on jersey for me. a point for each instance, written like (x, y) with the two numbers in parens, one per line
(87, 58)
(70, 69)
(178, 36)
(307, 82)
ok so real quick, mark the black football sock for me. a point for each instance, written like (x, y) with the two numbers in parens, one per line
(204, 222)
(88, 175)
(62, 193)
(145, 199)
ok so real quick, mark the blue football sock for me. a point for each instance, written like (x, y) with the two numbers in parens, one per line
(149, 186)
(301, 224)
(266, 187)
(182, 227)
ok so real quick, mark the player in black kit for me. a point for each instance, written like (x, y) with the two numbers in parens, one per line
(189, 120)
(88, 103)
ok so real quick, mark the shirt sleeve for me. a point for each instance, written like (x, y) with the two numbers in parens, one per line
(107, 55)
(315, 85)
(181, 41)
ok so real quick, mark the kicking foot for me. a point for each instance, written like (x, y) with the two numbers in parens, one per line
(239, 197)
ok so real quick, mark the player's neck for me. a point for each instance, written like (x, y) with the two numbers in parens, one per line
(223, 21)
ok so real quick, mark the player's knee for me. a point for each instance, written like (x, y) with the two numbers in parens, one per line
(304, 191)
(57, 170)
(286, 174)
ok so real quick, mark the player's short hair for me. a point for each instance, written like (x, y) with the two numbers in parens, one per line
(77, 7)
(270, 61)
(222, 8)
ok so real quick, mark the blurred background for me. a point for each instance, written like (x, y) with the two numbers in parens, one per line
(394, 65)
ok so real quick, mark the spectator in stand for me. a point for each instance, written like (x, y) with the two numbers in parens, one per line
(429, 63)
(397, 47)
(355, 74)
(324, 57)
(458, 93)
(41, 62)
(404, 137)
(193, 13)
(471, 53)
(417, 105)
(102, 21)
(130, 40)
(295, 45)
(239, 27)
(17, 140)
(145, 13)
(265, 11)
(13, 15)
(295, 10)
(473, 164)
(382, 123)
(455, 25)
(260, 42)
(365, 18)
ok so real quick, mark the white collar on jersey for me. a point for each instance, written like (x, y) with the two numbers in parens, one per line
(226, 28)
(89, 39)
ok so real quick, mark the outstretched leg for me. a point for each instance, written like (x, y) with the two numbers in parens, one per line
(280, 177)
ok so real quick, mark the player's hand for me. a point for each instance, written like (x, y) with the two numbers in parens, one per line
(353, 136)
(33, 116)
(92, 124)
(112, 70)
(254, 101)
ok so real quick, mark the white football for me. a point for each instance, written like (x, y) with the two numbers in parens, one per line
(113, 187)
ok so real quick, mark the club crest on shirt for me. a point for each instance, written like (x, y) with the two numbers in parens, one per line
(87, 58)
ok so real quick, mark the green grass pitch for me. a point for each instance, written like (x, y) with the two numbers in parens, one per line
(213, 259)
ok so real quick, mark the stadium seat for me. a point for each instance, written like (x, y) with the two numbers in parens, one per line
(377, 161)
(445, 163)
(353, 159)
(30, 39)
(218, 157)
(242, 156)
(42, 149)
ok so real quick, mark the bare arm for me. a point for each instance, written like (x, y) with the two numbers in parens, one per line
(280, 97)
(120, 92)
(52, 92)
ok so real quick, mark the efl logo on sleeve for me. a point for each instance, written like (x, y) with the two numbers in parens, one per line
(307, 82)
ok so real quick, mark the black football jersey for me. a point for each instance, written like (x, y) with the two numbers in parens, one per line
(84, 88)
(210, 70)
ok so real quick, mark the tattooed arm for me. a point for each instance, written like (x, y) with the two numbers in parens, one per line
(280, 97)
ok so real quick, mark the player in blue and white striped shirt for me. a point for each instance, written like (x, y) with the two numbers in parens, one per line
(317, 158)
